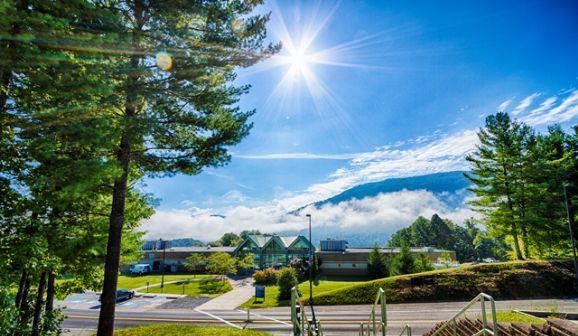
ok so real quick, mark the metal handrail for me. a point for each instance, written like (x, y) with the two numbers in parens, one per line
(301, 324)
(373, 326)
(482, 298)
(406, 330)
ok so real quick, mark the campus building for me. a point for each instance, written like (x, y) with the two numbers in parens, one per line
(274, 250)
(267, 250)
(336, 258)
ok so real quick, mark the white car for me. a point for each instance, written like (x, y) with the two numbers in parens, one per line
(140, 269)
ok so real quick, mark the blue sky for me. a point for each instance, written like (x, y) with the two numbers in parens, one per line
(383, 89)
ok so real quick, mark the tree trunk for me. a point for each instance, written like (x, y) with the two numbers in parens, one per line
(36, 322)
(112, 263)
(50, 292)
(513, 219)
(116, 219)
(24, 307)
(20, 293)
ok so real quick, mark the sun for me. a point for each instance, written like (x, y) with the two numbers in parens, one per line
(298, 60)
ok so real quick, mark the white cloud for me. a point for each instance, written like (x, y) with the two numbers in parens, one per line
(548, 113)
(524, 104)
(385, 213)
(504, 105)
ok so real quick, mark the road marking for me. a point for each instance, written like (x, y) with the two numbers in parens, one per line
(230, 322)
(218, 318)
(266, 317)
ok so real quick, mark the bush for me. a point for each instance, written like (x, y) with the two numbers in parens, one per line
(267, 277)
(510, 280)
(287, 280)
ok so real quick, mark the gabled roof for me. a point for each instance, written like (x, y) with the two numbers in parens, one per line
(262, 241)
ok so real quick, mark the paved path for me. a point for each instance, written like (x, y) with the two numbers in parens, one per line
(336, 320)
(242, 291)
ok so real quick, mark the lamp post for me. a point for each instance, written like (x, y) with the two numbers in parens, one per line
(311, 274)
(568, 189)
(163, 245)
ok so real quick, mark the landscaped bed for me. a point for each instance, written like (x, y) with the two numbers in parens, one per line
(271, 293)
(195, 288)
(507, 280)
(186, 330)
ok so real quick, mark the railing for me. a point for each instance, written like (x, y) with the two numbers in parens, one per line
(373, 327)
(482, 298)
(406, 330)
(301, 325)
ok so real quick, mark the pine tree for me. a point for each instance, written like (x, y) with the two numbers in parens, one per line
(175, 107)
(377, 264)
(497, 177)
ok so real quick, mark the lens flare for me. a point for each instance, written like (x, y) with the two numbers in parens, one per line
(164, 61)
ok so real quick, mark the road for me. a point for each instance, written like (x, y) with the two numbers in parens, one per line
(336, 320)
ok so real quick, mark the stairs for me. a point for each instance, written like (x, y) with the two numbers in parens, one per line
(470, 326)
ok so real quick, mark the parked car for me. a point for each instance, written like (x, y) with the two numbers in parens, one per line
(140, 269)
(122, 295)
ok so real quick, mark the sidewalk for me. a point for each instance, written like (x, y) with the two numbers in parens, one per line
(242, 291)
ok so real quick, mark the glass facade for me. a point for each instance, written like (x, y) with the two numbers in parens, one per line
(273, 250)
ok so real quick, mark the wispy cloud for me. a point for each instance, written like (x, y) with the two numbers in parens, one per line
(445, 153)
(297, 156)
(504, 105)
(524, 104)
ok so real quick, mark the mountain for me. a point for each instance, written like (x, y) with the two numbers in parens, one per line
(445, 185)
(449, 187)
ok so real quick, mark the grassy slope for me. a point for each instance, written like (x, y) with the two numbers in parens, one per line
(516, 279)
(271, 293)
(501, 280)
(186, 330)
(512, 316)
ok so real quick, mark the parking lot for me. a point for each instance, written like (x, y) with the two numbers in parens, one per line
(141, 301)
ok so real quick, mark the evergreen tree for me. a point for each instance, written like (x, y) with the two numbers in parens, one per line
(377, 264)
(498, 180)
(404, 261)
(175, 107)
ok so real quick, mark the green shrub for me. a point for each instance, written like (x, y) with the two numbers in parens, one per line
(287, 280)
(510, 280)
(267, 277)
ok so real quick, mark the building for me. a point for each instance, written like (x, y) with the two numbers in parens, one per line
(336, 258)
(267, 250)
(274, 250)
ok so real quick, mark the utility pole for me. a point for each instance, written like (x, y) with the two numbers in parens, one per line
(311, 276)
(568, 189)
(163, 246)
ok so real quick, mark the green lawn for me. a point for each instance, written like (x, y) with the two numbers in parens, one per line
(271, 293)
(512, 316)
(132, 282)
(195, 288)
(186, 330)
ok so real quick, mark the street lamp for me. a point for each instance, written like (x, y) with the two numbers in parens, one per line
(163, 245)
(568, 190)
(311, 274)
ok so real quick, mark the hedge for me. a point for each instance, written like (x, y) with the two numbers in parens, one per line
(509, 280)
